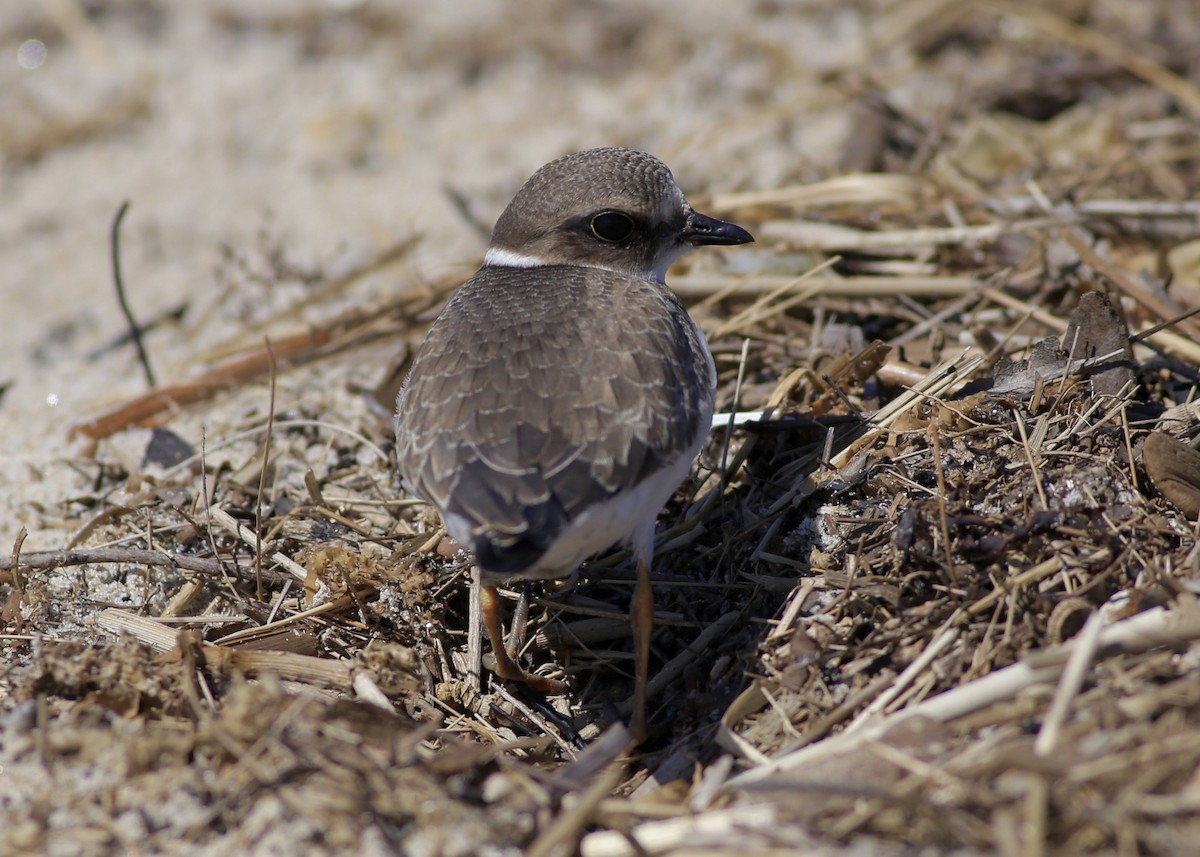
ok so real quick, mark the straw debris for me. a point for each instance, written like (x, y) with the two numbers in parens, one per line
(932, 588)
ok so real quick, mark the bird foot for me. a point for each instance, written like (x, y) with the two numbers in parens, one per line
(508, 669)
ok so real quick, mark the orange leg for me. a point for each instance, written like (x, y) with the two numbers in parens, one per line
(641, 615)
(506, 666)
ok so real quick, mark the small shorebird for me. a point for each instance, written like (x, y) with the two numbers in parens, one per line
(563, 393)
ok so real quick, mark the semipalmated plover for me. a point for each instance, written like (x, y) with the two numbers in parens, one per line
(562, 394)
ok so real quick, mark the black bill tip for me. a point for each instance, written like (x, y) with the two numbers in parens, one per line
(701, 229)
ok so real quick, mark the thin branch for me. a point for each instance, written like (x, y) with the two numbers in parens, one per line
(135, 332)
(262, 472)
(141, 556)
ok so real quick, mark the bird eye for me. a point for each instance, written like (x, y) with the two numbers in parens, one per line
(611, 226)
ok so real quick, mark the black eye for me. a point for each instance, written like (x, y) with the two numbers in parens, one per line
(611, 226)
